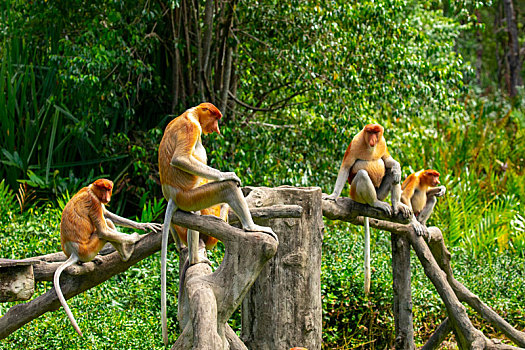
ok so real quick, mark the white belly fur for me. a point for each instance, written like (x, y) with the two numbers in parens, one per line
(419, 199)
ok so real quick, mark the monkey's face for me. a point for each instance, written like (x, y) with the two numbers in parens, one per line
(373, 134)
(209, 116)
(104, 196)
(432, 178)
(103, 189)
(210, 125)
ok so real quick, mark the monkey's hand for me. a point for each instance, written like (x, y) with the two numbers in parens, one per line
(396, 173)
(151, 226)
(332, 197)
(230, 175)
(442, 191)
(418, 227)
(403, 208)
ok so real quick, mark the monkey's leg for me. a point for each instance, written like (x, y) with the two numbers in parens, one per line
(123, 243)
(427, 210)
(196, 248)
(362, 190)
(390, 185)
(221, 192)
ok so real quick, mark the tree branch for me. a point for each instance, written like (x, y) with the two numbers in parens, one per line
(435, 259)
(78, 279)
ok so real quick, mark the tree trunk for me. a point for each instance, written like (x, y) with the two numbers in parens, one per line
(283, 308)
(514, 48)
(402, 293)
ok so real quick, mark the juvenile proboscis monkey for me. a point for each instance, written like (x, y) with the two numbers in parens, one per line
(419, 194)
(372, 174)
(85, 228)
(182, 166)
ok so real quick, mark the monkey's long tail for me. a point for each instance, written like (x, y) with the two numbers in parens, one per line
(170, 209)
(56, 281)
(367, 255)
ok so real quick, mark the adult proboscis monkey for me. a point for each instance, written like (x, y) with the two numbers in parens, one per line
(372, 174)
(419, 194)
(85, 228)
(182, 166)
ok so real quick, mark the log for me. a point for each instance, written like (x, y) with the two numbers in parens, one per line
(404, 326)
(207, 300)
(284, 309)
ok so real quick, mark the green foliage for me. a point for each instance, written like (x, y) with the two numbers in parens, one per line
(7, 203)
(349, 317)
(85, 94)
(71, 76)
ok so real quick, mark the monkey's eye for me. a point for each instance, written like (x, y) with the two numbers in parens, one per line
(205, 109)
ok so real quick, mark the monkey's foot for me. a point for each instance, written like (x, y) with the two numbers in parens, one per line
(201, 260)
(151, 226)
(383, 206)
(418, 228)
(126, 250)
(135, 237)
(257, 228)
(404, 209)
(97, 260)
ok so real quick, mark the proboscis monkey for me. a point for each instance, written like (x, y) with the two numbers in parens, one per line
(85, 228)
(182, 166)
(372, 174)
(419, 194)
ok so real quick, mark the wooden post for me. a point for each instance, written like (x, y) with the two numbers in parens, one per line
(17, 281)
(402, 293)
(283, 308)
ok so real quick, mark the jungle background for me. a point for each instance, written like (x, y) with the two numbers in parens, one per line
(87, 87)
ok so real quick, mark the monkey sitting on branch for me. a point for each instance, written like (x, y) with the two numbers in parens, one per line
(365, 166)
(85, 228)
(182, 168)
(419, 194)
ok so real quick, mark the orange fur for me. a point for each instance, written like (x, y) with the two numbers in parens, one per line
(83, 215)
(415, 189)
(210, 242)
(360, 154)
(182, 137)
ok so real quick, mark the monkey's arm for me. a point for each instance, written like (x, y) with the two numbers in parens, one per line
(427, 210)
(342, 177)
(393, 164)
(184, 160)
(344, 172)
(409, 186)
(436, 191)
(118, 220)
